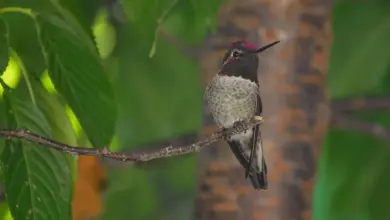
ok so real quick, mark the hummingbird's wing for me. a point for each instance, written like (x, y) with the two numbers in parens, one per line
(255, 139)
(257, 145)
(257, 177)
(253, 148)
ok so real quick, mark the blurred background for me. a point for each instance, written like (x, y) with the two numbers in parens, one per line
(325, 91)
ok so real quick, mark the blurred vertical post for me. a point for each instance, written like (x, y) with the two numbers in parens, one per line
(296, 109)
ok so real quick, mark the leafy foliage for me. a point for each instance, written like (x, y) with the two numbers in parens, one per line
(4, 51)
(84, 86)
(353, 176)
(24, 41)
(161, 98)
(37, 180)
(127, 96)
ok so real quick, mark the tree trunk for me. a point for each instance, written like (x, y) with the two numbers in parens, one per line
(295, 104)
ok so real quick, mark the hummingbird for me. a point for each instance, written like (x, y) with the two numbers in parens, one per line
(233, 99)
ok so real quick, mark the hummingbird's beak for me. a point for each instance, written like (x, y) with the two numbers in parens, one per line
(261, 49)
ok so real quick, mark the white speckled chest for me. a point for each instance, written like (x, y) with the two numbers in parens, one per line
(231, 99)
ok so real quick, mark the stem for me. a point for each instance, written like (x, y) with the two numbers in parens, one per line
(26, 11)
(159, 24)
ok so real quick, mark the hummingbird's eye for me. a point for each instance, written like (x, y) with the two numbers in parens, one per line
(236, 53)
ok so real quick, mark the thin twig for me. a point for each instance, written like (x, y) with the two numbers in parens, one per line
(354, 124)
(130, 157)
(360, 103)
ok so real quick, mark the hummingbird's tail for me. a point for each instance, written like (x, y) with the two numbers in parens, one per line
(259, 179)
(258, 171)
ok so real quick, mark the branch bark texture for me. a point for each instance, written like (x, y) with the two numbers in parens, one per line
(143, 156)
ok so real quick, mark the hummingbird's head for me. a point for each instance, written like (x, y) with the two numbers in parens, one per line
(241, 60)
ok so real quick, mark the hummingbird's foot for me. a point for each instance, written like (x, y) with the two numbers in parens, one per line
(259, 118)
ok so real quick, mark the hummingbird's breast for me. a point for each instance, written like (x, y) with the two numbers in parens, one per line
(231, 99)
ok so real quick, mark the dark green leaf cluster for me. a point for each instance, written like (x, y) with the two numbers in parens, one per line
(122, 85)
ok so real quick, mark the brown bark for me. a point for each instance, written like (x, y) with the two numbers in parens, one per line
(296, 110)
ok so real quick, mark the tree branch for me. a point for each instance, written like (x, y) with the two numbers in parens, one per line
(130, 157)
(341, 108)
(354, 124)
(359, 103)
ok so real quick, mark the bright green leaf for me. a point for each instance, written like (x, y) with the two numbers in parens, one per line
(105, 34)
(11, 75)
(4, 211)
(37, 180)
(77, 73)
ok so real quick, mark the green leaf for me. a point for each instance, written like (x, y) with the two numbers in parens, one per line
(77, 73)
(84, 33)
(85, 11)
(358, 60)
(4, 211)
(55, 114)
(105, 35)
(24, 41)
(68, 10)
(353, 178)
(58, 120)
(4, 48)
(37, 179)
(3, 124)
